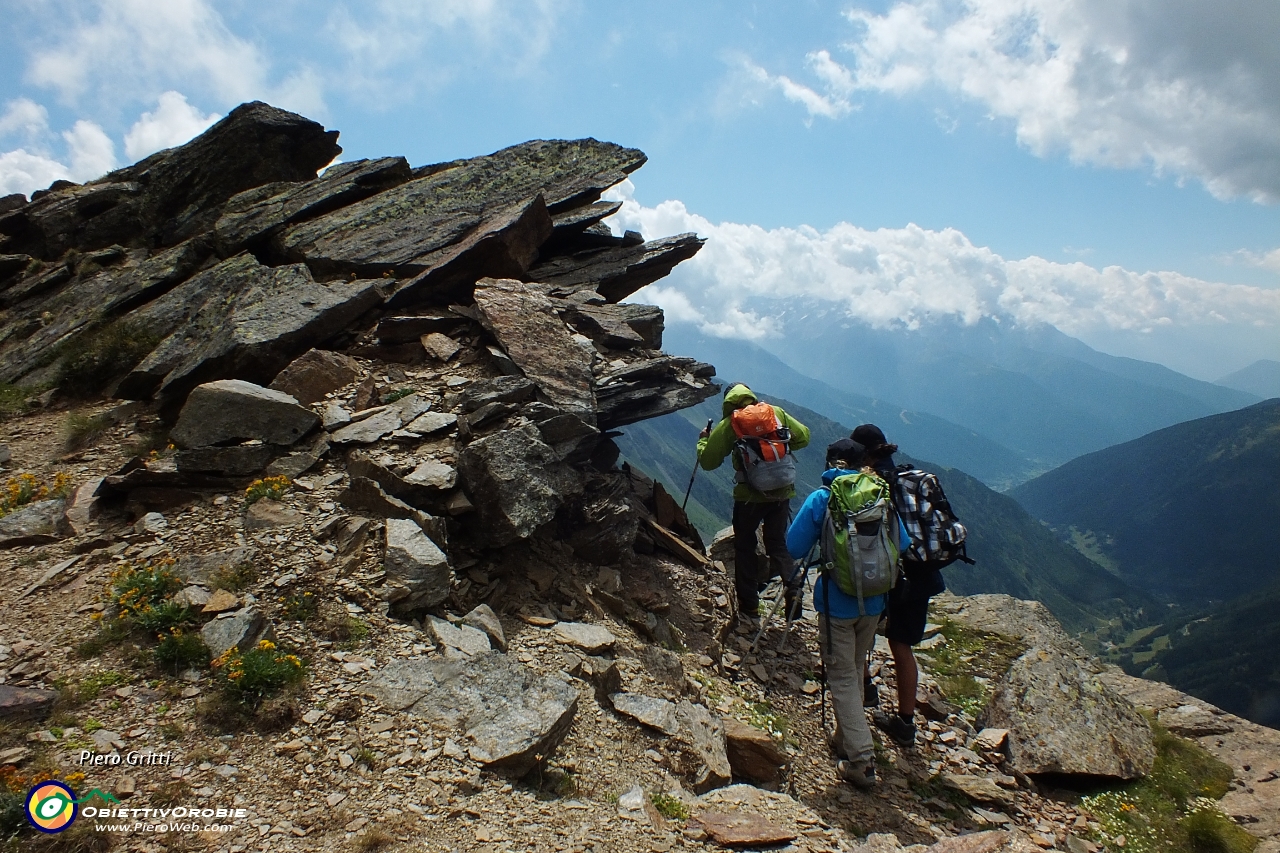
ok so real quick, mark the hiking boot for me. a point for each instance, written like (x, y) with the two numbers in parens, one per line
(902, 733)
(870, 694)
(833, 744)
(859, 774)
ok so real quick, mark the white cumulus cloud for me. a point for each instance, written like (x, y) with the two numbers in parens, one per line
(908, 276)
(1186, 88)
(88, 150)
(131, 49)
(173, 122)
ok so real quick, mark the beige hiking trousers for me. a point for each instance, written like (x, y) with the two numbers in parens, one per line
(851, 642)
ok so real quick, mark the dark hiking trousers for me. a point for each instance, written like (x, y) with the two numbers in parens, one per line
(747, 516)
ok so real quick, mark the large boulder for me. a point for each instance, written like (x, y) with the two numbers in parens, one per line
(417, 570)
(753, 753)
(233, 410)
(34, 524)
(516, 482)
(1063, 720)
(515, 716)
(315, 373)
(706, 760)
(651, 388)
(243, 630)
(522, 318)
(243, 320)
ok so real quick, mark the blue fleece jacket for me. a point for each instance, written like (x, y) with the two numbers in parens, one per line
(806, 529)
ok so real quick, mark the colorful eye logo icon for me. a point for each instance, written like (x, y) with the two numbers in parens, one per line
(51, 806)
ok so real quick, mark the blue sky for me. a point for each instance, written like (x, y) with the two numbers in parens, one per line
(1110, 167)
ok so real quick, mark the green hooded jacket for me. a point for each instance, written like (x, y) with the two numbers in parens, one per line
(713, 449)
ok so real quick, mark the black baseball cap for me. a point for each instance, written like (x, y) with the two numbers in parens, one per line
(845, 450)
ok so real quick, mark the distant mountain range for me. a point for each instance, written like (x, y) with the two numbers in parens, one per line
(1007, 402)
(1188, 513)
(1261, 378)
(1015, 553)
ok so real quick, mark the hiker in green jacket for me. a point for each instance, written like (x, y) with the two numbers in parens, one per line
(750, 506)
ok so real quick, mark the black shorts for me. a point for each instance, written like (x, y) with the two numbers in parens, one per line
(908, 607)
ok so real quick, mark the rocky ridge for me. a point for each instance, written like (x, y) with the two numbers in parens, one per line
(513, 642)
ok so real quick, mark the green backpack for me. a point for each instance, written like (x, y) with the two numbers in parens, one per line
(860, 537)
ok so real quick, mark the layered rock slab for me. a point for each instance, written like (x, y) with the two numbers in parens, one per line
(241, 320)
(522, 318)
(234, 410)
(616, 273)
(516, 482)
(514, 715)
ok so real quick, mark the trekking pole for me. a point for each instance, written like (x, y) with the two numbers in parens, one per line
(799, 607)
(696, 465)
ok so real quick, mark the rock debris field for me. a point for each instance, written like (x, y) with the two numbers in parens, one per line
(314, 515)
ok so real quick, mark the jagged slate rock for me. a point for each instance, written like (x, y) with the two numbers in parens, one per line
(56, 318)
(83, 506)
(235, 410)
(25, 703)
(990, 841)
(752, 753)
(200, 568)
(592, 639)
(503, 362)
(1062, 719)
(980, 789)
(242, 630)
(500, 389)
(365, 495)
(192, 596)
(177, 192)
(34, 524)
(616, 273)
(663, 665)
(247, 218)
(299, 462)
(743, 829)
(13, 201)
(703, 734)
(271, 515)
(609, 529)
(315, 373)
(333, 415)
(427, 224)
(649, 389)
(580, 218)
(385, 420)
(227, 461)
(433, 475)
(619, 326)
(403, 330)
(402, 227)
(440, 347)
(241, 320)
(516, 483)
(653, 712)
(514, 715)
(482, 618)
(532, 334)
(39, 281)
(574, 440)
(461, 638)
(1194, 721)
(431, 423)
(485, 416)
(416, 565)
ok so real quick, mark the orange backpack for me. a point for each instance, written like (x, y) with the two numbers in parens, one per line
(767, 463)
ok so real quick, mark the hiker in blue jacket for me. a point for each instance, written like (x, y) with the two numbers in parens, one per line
(851, 635)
